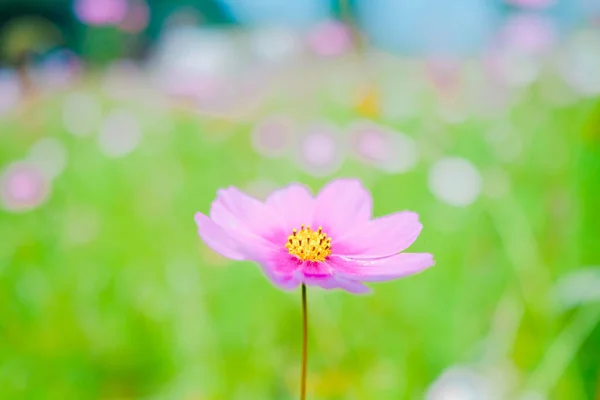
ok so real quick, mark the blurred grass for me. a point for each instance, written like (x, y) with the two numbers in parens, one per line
(144, 310)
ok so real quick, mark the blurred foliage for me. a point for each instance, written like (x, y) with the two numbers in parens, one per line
(107, 292)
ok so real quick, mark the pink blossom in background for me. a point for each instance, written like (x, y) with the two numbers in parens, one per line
(531, 3)
(331, 38)
(445, 73)
(203, 89)
(136, 18)
(100, 12)
(320, 153)
(385, 149)
(370, 143)
(23, 187)
(528, 33)
(273, 136)
(329, 240)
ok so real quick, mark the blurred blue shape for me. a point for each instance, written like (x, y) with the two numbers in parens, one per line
(572, 14)
(429, 26)
(566, 14)
(295, 13)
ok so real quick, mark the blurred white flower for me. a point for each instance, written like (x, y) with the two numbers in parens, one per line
(455, 181)
(578, 287)
(81, 114)
(579, 62)
(275, 45)
(460, 383)
(49, 155)
(188, 60)
(120, 134)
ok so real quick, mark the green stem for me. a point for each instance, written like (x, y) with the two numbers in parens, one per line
(564, 349)
(304, 344)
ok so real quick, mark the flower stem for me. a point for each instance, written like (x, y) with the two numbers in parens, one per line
(304, 344)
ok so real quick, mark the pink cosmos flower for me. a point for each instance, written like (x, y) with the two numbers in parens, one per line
(331, 38)
(320, 151)
(328, 240)
(136, 18)
(23, 187)
(100, 12)
(528, 33)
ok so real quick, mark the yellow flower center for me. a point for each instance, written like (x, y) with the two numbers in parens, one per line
(309, 245)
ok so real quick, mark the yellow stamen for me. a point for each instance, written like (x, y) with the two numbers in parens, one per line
(309, 245)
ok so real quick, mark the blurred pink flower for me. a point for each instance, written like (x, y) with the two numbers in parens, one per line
(328, 240)
(331, 38)
(136, 18)
(445, 73)
(390, 151)
(23, 187)
(320, 153)
(100, 12)
(528, 33)
(273, 136)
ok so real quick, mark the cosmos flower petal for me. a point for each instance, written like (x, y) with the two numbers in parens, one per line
(384, 236)
(293, 204)
(342, 205)
(336, 282)
(245, 218)
(283, 281)
(380, 269)
(217, 239)
(324, 276)
(280, 267)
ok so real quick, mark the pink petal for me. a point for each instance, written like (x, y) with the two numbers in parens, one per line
(280, 268)
(382, 236)
(217, 239)
(380, 269)
(288, 272)
(323, 275)
(338, 282)
(341, 206)
(294, 205)
(246, 219)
